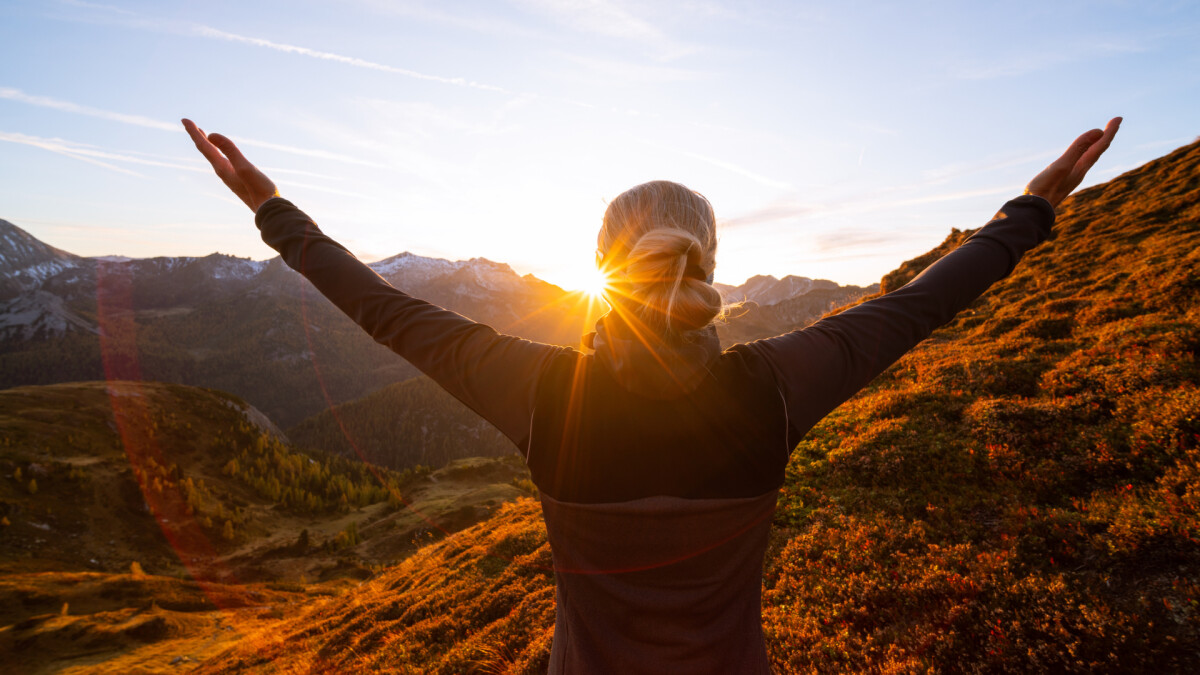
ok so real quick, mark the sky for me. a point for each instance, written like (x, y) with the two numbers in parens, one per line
(835, 138)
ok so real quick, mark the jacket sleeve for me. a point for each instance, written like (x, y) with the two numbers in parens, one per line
(819, 367)
(494, 375)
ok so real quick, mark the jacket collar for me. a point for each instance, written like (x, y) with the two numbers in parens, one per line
(651, 365)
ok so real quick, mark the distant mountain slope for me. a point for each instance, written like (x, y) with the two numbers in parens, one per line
(775, 312)
(26, 262)
(408, 424)
(1019, 494)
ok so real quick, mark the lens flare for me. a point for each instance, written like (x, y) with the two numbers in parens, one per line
(594, 284)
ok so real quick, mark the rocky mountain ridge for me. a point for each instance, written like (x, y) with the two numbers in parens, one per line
(767, 290)
(258, 330)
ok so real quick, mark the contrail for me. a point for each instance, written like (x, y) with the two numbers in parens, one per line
(66, 106)
(92, 155)
(728, 166)
(210, 32)
(200, 30)
(149, 123)
(61, 147)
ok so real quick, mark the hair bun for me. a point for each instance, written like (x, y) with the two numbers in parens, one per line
(657, 269)
(661, 238)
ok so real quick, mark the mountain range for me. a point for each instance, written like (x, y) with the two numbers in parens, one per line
(256, 329)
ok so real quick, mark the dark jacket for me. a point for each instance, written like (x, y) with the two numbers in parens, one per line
(658, 464)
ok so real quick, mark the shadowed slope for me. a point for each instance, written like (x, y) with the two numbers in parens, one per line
(408, 424)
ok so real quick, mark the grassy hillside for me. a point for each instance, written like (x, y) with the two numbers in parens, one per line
(1019, 494)
(481, 601)
(117, 624)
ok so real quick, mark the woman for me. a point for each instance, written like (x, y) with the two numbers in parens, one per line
(659, 456)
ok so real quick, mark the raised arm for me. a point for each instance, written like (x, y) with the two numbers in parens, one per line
(495, 375)
(821, 366)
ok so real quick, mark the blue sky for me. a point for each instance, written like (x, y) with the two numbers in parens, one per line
(834, 138)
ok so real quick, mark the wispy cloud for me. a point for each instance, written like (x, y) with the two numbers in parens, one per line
(96, 5)
(71, 229)
(721, 164)
(929, 190)
(426, 119)
(140, 21)
(67, 106)
(741, 171)
(210, 32)
(597, 16)
(322, 188)
(395, 142)
(947, 197)
(103, 158)
(307, 152)
(791, 210)
(1168, 143)
(609, 19)
(478, 20)
(623, 72)
(958, 170)
(781, 210)
(76, 151)
(1033, 60)
(149, 123)
(846, 241)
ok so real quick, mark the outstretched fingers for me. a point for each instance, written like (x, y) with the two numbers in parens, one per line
(227, 147)
(1066, 173)
(1096, 148)
(217, 157)
(206, 148)
(1079, 147)
(231, 166)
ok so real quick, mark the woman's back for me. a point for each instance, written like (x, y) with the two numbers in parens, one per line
(597, 437)
(659, 585)
(658, 486)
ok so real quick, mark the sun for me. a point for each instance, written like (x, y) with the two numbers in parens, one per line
(594, 283)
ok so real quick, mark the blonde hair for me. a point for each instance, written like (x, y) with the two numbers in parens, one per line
(656, 240)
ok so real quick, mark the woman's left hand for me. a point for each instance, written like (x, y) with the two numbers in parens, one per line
(1066, 173)
(239, 175)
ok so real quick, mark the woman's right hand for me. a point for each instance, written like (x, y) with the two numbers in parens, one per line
(239, 175)
(1067, 172)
